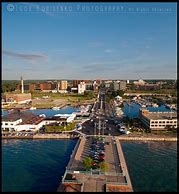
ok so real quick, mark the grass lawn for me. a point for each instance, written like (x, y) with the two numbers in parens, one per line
(69, 127)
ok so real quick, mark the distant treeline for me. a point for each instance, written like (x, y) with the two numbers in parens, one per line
(9, 85)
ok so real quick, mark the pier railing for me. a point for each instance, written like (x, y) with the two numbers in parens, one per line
(73, 153)
(116, 183)
(91, 172)
(71, 181)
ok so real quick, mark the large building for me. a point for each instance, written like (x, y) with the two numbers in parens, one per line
(63, 85)
(95, 86)
(18, 98)
(19, 121)
(75, 83)
(81, 87)
(116, 86)
(148, 87)
(122, 85)
(158, 120)
(45, 86)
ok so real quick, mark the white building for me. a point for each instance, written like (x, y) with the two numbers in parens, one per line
(18, 121)
(158, 120)
(81, 88)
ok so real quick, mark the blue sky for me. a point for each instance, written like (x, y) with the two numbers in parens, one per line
(132, 41)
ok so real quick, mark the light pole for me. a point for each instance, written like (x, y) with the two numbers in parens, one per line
(95, 129)
(99, 127)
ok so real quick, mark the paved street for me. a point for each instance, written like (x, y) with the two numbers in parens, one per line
(102, 120)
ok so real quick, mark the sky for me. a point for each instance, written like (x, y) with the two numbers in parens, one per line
(89, 41)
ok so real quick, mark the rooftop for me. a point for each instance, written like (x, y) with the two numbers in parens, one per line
(33, 121)
(161, 115)
(16, 115)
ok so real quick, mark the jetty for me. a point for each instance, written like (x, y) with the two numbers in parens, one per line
(115, 179)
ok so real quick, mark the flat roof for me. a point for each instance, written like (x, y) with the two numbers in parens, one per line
(161, 115)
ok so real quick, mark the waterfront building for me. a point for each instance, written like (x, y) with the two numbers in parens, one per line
(81, 88)
(18, 121)
(158, 120)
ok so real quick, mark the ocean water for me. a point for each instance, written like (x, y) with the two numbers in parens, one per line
(37, 165)
(152, 166)
(34, 165)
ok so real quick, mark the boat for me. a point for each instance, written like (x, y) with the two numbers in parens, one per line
(42, 115)
(167, 106)
(155, 105)
(33, 108)
(56, 108)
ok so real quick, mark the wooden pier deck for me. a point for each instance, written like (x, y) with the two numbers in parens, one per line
(115, 179)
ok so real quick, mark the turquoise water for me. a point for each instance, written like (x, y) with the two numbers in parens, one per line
(152, 166)
(49, 112)
(34, 165)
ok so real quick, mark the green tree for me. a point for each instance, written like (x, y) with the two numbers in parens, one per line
(103, 166)
(87, 162)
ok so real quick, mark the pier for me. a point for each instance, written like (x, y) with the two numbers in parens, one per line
(77, 179)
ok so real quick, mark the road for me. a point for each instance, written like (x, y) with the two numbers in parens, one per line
(101, 120)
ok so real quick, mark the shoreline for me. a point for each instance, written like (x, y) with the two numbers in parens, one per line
(174, 139)
(68, 136)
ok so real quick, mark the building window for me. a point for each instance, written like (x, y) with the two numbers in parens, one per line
(156, 125)
(160, 121)
(163, 121)
(167, 121)
(6, 123)
(156, 121)
(171, 121)
(159, 125)
(152, 121)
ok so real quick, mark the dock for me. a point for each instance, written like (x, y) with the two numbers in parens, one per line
(77, 179)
